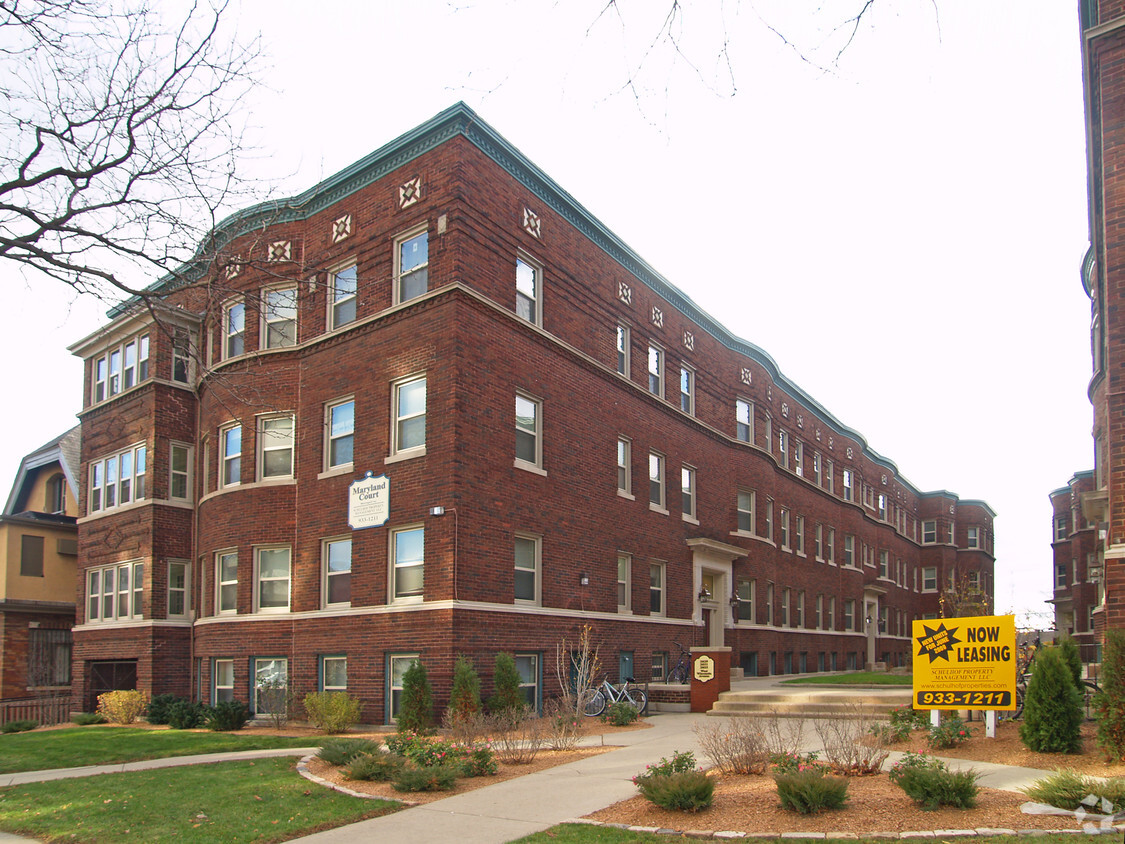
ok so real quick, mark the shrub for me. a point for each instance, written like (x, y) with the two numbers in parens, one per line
(949, 733)
(791, 762)
(412, 778)
(902, 721)
(810, 790)
(516, 737)
(85, 719)
(227, 716)
(1068, 650)
(686, 791)
(479, 761)
(847, 748)
(275, 700)
(506, 681)
(157, 712)
(332, 712)
(681, 762)
(464, 699)
(20, 726)
(343, 751)
(1071, 790)
(932, 785)
(377, 765)
(186, 715)
(122, 707)
(735, 746)
(563, 726)
(417, 709)
(913, 761)
(1052, 712)
(465, 729)
(1109, 702)
(620, 714)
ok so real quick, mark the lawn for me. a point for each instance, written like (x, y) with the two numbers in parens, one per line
(42, 750)
(855, 678)
(260, 801)
(587, 834)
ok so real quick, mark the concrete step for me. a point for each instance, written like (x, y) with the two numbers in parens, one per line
(835, 702)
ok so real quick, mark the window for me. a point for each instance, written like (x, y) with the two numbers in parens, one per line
(656, 480)
(884, 564)
(656, 589)
(99, 379)
(528, 290)
(337, 555)
(527, 665)
(769, 604)
(624, 582)
(881, 507)
(849, 551)
(230, 455)
(746, 600)
(817, 469)
(952, 532)
(179, 472)
(118, 480)
(849, 487)
(48, 657)
(783, 449)
(339, 425)
(769, 519)
(529, 442)
(745, 507)
(222, 679)
(744, 421)
(178, 606)
(1060, 528)
(412, 257)
(973, 537)
(1060, 575)
(655, 370)
(829, 475)
(623, 350)
(785, 607)
(409, 415)
(800, 609)
(181, 356)
(687, 491)
(275, 447)
(342, 287)
(279, 317)
(819, 542)
(407, 557)
(783, 526)
(400, 664)
(333, 673)
(830, 547)
(820, 615)
(799, 458)
(527, 569)
(849, 614)
(31, 556)
(271, 682)
(687, 390)
(234, 329)
(624, 455)
(55, 499)
(113, 593)
(226, 582)
(929, 532)
(831, 621)
(799, 535)
(929, 578)
(659, 667)
(120, 368)
(271, 579)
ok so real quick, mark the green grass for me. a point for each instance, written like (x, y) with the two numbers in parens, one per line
(74, 747)
(586, 834)
(855, 678)
(260, 801)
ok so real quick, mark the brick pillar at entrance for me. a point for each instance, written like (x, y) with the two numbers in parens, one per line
(710, 676)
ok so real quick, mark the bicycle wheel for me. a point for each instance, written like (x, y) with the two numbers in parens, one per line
(637, 699)
(678, 674)
(592, 702)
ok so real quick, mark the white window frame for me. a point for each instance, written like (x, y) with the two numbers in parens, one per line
(929, 579)
(334, 436)
(526, 433)
(799, 458)
(183, 591)
(744, 420)
(830, 547)
(623, 351)
(783, 448)
(687, 389)
(234, 329)
(786, 618)
(624, 467)
(535, 543)
(849, 614)
(330, 570)
(260, 581)
(820, 611)
(335, 660)
(624, 583)
(654, 370)
(343, 296)
(1060, 528)
(124, 604)
(400, 419)
(184, 474)
(397, 666)
(656, 485)
(929, 532)
(884, 564)
(658, 589)
(819, 543)
(687, 492)
(407, 596)
(118, 480)
(532, 305)
(741, 511)
(259, 667)
(273, 439)
(769, 604)
(222, 680)
(746, 600)
(229, 555)
(420, 270)
(119, 368)
(769, 519)
(849, 552)
(279, 309)
(817, 468)
(848, 485)
(181, 356)
(972, 537)
(783, 527)
(799, 534)
(831, 625)
(230, 462)
(881, 506)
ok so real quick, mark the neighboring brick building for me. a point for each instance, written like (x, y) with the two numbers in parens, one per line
(567, 440)
(38, 567)
(1074, 544)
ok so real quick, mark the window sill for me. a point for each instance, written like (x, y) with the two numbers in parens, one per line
(272, 611)
(336, 471)
(744, 533)
(626, 495)
(529, 467)
(689, 519)
(802, 554)
(281, 481)
(656, 508)
(407, 454)
(624, 611)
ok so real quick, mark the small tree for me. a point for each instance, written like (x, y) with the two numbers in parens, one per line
(417, 709)
(1109, 702)
(1052, 714)
(583, 664)
(506, 680)
(1068, 648)
(464, 700)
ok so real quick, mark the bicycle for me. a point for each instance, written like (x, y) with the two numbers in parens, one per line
(596, 698)
(681, 671)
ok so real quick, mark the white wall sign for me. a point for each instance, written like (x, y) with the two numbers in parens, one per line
(369, 502)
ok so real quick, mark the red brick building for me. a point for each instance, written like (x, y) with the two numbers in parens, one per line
(1074, 544)
(561, 436)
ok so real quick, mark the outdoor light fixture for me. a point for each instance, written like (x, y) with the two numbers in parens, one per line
(584, 579)
(733, 600)
(704, 595)
(437, 511)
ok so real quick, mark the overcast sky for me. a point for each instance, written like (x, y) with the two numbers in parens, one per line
(901, 232)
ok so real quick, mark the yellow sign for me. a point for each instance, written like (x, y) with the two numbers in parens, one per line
(704, 669)
(965, 663)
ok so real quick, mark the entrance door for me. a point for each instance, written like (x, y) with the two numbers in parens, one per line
(109, 677)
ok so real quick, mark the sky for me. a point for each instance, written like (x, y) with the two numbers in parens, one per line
(900, 229)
